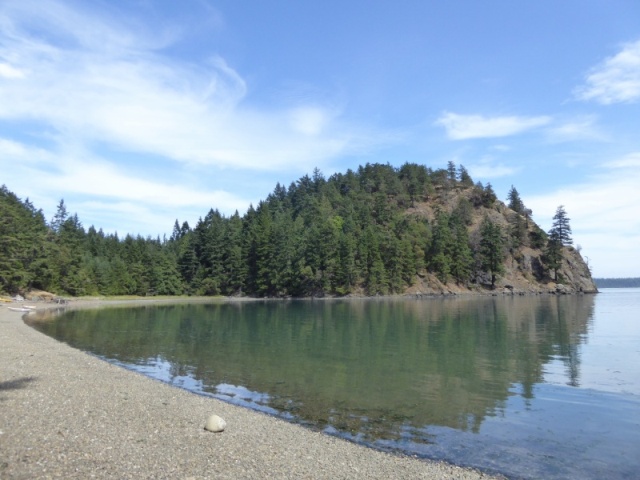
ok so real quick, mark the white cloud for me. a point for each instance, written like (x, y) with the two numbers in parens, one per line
(604, 216)
(79, 175)
(309, 120)
(576, 129)
(94, 80)
(461, 127)
(7, 71)
(630, 161)
(615, 80)
(487, 168)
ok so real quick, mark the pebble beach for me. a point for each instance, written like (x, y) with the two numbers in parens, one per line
(67, 414)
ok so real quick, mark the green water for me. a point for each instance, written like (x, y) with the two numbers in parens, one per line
(491, 382)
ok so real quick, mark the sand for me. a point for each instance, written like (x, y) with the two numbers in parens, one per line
(67, 414)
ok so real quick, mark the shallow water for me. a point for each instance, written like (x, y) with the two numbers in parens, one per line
(531, 387)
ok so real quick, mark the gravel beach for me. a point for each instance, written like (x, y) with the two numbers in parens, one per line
(66, 414)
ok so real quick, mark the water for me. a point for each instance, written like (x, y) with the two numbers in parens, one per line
(530, 387)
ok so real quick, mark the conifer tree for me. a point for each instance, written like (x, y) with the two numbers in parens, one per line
(515, 203)
(561, 228)
(553, 252)
(491, 249)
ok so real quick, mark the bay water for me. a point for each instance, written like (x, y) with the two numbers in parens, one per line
(529, 387)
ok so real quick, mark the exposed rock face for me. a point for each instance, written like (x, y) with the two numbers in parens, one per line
(525, 271)
(575, 273)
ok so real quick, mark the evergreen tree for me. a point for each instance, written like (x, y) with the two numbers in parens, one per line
(488, 196)
(451, 171)
(464, 177)
(561, 228)
(60, 216)
(518, 230)
(439, 259)
(491, 249)
(553, 252)
(515, 203)
(461, 255)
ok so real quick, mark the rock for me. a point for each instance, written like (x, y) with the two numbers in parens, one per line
(215, 424)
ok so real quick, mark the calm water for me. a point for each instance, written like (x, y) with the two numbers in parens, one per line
(531, 387)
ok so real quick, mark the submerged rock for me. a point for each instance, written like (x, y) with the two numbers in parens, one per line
(215, 424)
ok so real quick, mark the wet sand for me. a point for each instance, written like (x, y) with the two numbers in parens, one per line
(67, 414)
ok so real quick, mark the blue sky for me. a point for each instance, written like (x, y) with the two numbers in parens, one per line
(139, 113)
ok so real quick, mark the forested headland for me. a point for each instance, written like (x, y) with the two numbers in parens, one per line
(374, 231)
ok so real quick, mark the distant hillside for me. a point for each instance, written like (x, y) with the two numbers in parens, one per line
(376, 231)
(617, 282)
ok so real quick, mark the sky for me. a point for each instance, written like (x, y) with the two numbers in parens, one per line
(141, 112)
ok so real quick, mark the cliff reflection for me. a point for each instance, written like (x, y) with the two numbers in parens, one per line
(372, 368)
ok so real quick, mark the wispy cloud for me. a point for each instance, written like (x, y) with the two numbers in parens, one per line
(488, 168)
(89, 96)
(461, 127)
(577, 129)
(615, 80)
(80, 175)
(603, 212)
(89, 79)
(7, 71)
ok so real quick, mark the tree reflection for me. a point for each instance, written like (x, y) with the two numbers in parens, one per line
(371, 368)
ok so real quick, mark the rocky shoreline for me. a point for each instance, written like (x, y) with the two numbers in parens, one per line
(67, 414)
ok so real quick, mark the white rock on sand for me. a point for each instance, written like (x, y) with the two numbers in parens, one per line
(215, 424)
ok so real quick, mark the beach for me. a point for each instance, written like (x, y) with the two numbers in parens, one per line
(67, 414)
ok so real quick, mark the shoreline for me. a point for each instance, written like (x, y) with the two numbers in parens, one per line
(67, 414)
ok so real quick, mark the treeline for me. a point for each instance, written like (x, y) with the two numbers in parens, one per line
(368, 231)
(617, 282)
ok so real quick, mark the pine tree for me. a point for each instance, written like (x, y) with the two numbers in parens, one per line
(561, 228)
(491, 249)
(515, 203)
(440, 252)
(461, 256)
(451, 171)
(553, 252)
(464, 177)
(60, 217)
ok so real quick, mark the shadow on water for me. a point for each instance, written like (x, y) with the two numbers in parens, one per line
(393, 373)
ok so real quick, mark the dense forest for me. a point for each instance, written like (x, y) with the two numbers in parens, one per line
(373, 231)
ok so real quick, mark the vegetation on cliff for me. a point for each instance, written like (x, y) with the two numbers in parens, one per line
(377, 230)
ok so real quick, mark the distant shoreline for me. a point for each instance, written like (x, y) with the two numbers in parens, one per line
(631, 282)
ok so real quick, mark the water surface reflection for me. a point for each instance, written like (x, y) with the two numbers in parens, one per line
(397, 373)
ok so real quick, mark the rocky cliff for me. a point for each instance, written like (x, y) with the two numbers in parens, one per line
(525, 268)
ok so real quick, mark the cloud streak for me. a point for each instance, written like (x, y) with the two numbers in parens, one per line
(100, 83)
(615, 80)
(463, 127)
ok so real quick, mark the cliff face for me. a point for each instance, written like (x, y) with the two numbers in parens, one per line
(525, 268)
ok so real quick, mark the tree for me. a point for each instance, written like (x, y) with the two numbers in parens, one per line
(491, 249)
(465, 178)
(553, 252)
(451, 171)
(488, 196)
(515, 203)
(60, 217)
(439, 259)
(461, 257)
(561, 228)
(518, 230)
